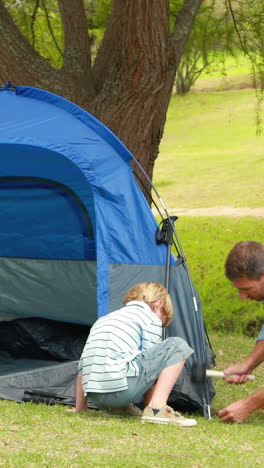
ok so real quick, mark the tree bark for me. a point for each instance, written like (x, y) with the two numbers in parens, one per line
(21, 63)
(19, 60)
(136, 76)
(77, 55)
(130, 84)
(136, 65)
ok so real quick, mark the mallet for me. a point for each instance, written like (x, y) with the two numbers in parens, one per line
(199, 373)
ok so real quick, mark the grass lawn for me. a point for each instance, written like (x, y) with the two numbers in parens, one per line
(210, 154)
(41, 436)
(206, 242)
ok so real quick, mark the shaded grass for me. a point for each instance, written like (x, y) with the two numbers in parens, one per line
(210, 154)
(37, 435)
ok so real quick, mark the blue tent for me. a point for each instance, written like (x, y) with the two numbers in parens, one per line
(76, 233)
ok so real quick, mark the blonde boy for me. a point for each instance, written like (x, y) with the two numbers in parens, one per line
(125, 359)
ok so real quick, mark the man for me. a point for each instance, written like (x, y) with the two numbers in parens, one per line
(125, 359)
(244, 267)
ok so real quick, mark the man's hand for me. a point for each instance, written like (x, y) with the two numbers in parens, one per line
(241, 409)
(236, 374)
(255, 358)
(236, 412)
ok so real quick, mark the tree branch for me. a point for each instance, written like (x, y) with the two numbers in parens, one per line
(183, 27)
(50, 28)
(77, 55)
(33, 19)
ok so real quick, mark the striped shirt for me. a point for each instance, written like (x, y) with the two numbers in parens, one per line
(114, 341)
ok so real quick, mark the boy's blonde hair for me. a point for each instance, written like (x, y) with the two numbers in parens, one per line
(150, 292)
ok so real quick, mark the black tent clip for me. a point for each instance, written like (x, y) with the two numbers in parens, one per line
(8, 87)
(164, 233)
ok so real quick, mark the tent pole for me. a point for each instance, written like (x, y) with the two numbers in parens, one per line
(165, 235)
(170, 221)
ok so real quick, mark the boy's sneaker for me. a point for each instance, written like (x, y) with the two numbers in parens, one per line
(127, 411)
(166, 415)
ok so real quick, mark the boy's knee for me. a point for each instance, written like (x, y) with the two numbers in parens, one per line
(179, 344)
(176, 341)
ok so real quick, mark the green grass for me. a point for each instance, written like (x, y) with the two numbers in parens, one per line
(206, 242)
(33, 436)
(210, 154)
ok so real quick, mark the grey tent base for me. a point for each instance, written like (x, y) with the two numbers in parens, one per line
(55, 383)
(39, 381)
(55, 344)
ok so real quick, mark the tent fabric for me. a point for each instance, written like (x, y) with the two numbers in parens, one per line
(76, 233)
(43, 339)
(30, 379)
(49, 137)
(62, 290)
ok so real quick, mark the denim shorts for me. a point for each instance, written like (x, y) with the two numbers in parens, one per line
(150, 362)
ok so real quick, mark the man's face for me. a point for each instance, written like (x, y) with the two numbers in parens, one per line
(251, 289)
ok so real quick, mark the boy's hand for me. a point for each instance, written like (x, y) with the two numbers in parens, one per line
(75, 410)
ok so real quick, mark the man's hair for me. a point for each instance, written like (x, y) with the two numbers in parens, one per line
(150, 292)
(245, 259)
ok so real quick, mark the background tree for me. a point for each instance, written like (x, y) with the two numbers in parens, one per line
(208, 44)
(118, 58)
(247, 17)
(222, 29)
(128, 85)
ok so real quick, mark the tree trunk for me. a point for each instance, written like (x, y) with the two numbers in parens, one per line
(130, 84)
(136, 79)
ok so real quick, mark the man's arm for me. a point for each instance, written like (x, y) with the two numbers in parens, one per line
(240, 410)
(255, 358)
